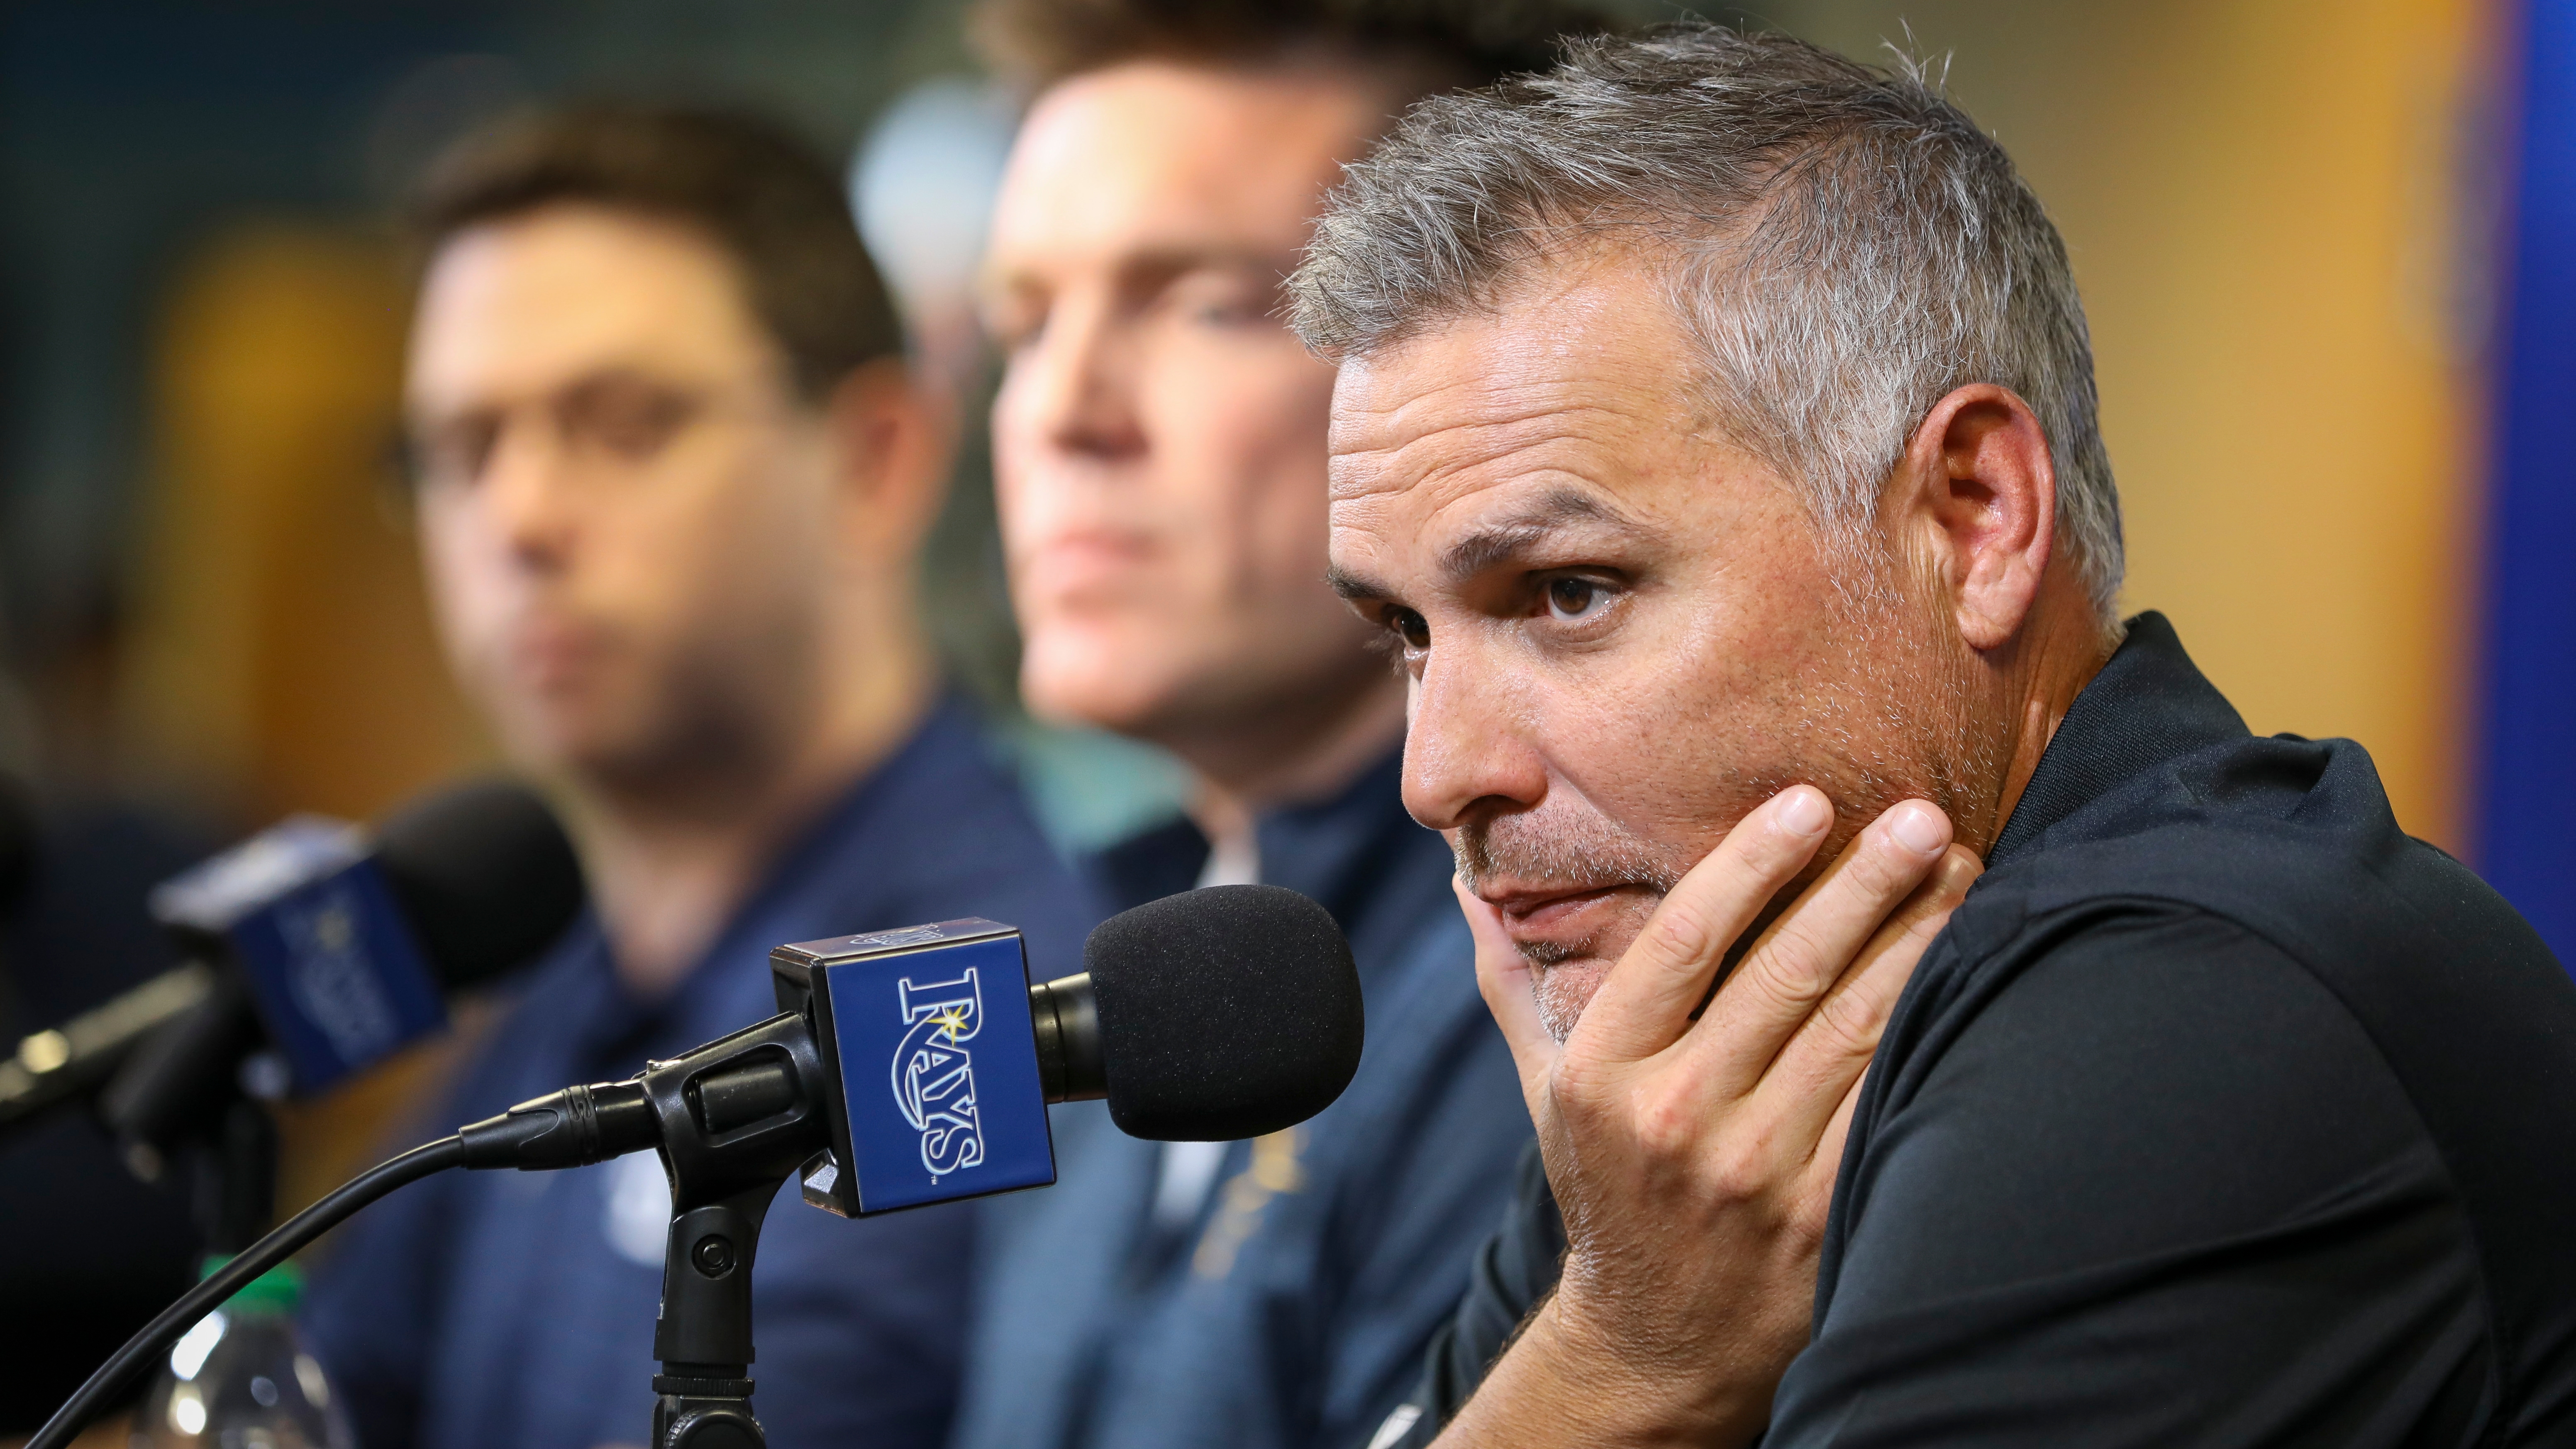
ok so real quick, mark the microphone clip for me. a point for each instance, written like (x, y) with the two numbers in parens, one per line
(733, 1120)
(739, 1116)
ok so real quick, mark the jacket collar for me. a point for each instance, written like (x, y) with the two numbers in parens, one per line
(2150, 704)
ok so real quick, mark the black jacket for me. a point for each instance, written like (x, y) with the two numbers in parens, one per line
(2223, 1113)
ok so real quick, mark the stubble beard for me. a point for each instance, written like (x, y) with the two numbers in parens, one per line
(710, 730)
(1589, 848)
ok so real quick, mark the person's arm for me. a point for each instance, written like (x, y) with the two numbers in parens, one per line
(2146, 1182)
(1693, 1152)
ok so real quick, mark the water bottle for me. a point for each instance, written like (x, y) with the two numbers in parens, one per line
(240, 1379)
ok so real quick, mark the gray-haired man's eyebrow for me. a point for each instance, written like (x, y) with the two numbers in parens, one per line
(1354, 588)
(1505, 538)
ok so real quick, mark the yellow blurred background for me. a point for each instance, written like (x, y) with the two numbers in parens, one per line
(2276, 215)
(281, 642)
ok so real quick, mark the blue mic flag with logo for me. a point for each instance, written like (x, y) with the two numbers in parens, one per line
(305, 914)
(928, 1030)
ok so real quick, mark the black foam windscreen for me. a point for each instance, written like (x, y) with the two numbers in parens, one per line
(1225, 1013)
(484, 875)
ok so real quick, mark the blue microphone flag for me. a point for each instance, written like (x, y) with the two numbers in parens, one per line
(927, 1030)
(304, 912)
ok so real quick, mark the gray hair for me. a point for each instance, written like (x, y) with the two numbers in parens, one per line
(1845, 248)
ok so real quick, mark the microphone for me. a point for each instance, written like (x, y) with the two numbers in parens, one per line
(915, 1065)
(1205, 1016)
(1224, 1013)
(334, 947)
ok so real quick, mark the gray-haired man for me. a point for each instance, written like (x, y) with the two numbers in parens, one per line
(1715, 438)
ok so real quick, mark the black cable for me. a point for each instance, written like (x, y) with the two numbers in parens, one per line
(224, 1282)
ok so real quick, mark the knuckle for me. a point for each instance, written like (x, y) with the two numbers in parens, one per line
(1803, 964)
(1787, 976)
(1678, 936)
(1760, 851)
(1578, 1083)
(1738, 1167)
(1917, 931)
(1665, 1123)
(1923, 912)
(1850, 1021)
(1802, 1222)
(1777, 853)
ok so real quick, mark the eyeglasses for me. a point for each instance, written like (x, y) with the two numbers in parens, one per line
(608, 427)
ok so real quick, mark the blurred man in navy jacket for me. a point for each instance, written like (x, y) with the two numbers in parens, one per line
(670, 479)
(1159, 443)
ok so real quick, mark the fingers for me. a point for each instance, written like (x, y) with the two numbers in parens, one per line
(1792, 968)
(1827, 1057)
(1645, 1002)
(1503, 977)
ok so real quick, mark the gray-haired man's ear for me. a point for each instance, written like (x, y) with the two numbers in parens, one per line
(1977, 493)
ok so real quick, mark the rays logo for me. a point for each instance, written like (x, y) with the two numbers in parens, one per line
(332, 978)
(934, 1074)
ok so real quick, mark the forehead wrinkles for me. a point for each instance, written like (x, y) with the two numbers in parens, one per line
(1445, 482)
(1467, 437)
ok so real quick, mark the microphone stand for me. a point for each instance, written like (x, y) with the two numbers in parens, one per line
(179, 1100)
(739, 1117)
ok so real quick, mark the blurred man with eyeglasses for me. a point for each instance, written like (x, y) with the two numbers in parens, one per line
(671, 475)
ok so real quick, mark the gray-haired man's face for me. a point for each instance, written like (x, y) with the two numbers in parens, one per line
(1622, 632)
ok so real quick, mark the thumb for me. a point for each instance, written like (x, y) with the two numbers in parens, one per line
(1503, 976)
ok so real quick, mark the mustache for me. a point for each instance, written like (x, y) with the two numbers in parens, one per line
(1584, 852)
